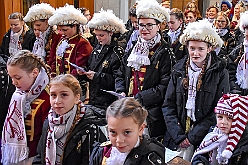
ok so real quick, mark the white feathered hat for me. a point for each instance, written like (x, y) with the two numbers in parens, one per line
(67, 15)
(201, 30)
(38, 12)
(106, 20)
(243, 21)
(151, 9)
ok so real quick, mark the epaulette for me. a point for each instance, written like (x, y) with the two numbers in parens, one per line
(84, 37)
(119, 51)
(55, 31)
(47, 89)
(105, 144)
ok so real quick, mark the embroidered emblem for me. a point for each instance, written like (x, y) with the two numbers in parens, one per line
(157, 65)
(181, 48)
(105, 64)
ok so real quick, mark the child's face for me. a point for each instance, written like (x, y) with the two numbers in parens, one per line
(16, 25)
(62, 98)
(224, 123)
(22, 79)
(124, 132)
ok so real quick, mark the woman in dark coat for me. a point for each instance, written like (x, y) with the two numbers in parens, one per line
(222, 24)
(176, 27)
(197, 82)
(18, 37)
(237, 62)
(145, 71)
(104, 60)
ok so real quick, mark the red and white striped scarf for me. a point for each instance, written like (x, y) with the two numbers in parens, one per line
(59, 128)
(139, 55)
(14, 140)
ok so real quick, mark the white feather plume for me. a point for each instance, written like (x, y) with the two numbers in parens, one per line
(152, 9)
(67, 15)
(106, 20)
(39, 11)
(201, 30)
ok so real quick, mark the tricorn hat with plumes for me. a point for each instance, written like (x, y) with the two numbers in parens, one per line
(67, 15)
(106, 20)
(201, 30)
(38, 12)
(151, 9)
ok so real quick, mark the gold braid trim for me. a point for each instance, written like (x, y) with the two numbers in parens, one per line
(187, 125)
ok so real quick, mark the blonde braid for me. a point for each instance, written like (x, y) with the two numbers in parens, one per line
(23, 33)
(37, 58)
(186, 78)
(241, 52)
(204, 67)
(49, 42)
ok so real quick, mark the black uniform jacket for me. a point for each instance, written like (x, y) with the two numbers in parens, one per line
(155, 82)
(104, 61)
(28, 42)
(233, 61)
(149, 152)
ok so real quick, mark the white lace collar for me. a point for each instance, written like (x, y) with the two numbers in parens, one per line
(118, 158)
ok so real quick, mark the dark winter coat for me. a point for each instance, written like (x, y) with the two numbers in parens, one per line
(155, 83)
(104, 61)
(233, 60)
(79, 143)
(228, 46)
(214, 85)
(239, 157)
(28, 41)
(149, 152)
(178, 49)
(6, 90)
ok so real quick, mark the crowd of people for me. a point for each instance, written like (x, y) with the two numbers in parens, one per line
(81, 89)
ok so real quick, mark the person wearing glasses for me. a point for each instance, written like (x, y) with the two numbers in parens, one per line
(222, 25)
(176, 26)
(145, 70)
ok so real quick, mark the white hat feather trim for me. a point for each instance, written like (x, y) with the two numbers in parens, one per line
(106, 20)
(38, 12)
(201, 30)
(67, 15)
(243, 21)
(151, 9)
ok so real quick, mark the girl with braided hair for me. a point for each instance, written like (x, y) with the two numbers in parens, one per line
(176, 27)
(28, 108)
(70, 129)
(197, 82)
(18, 37)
